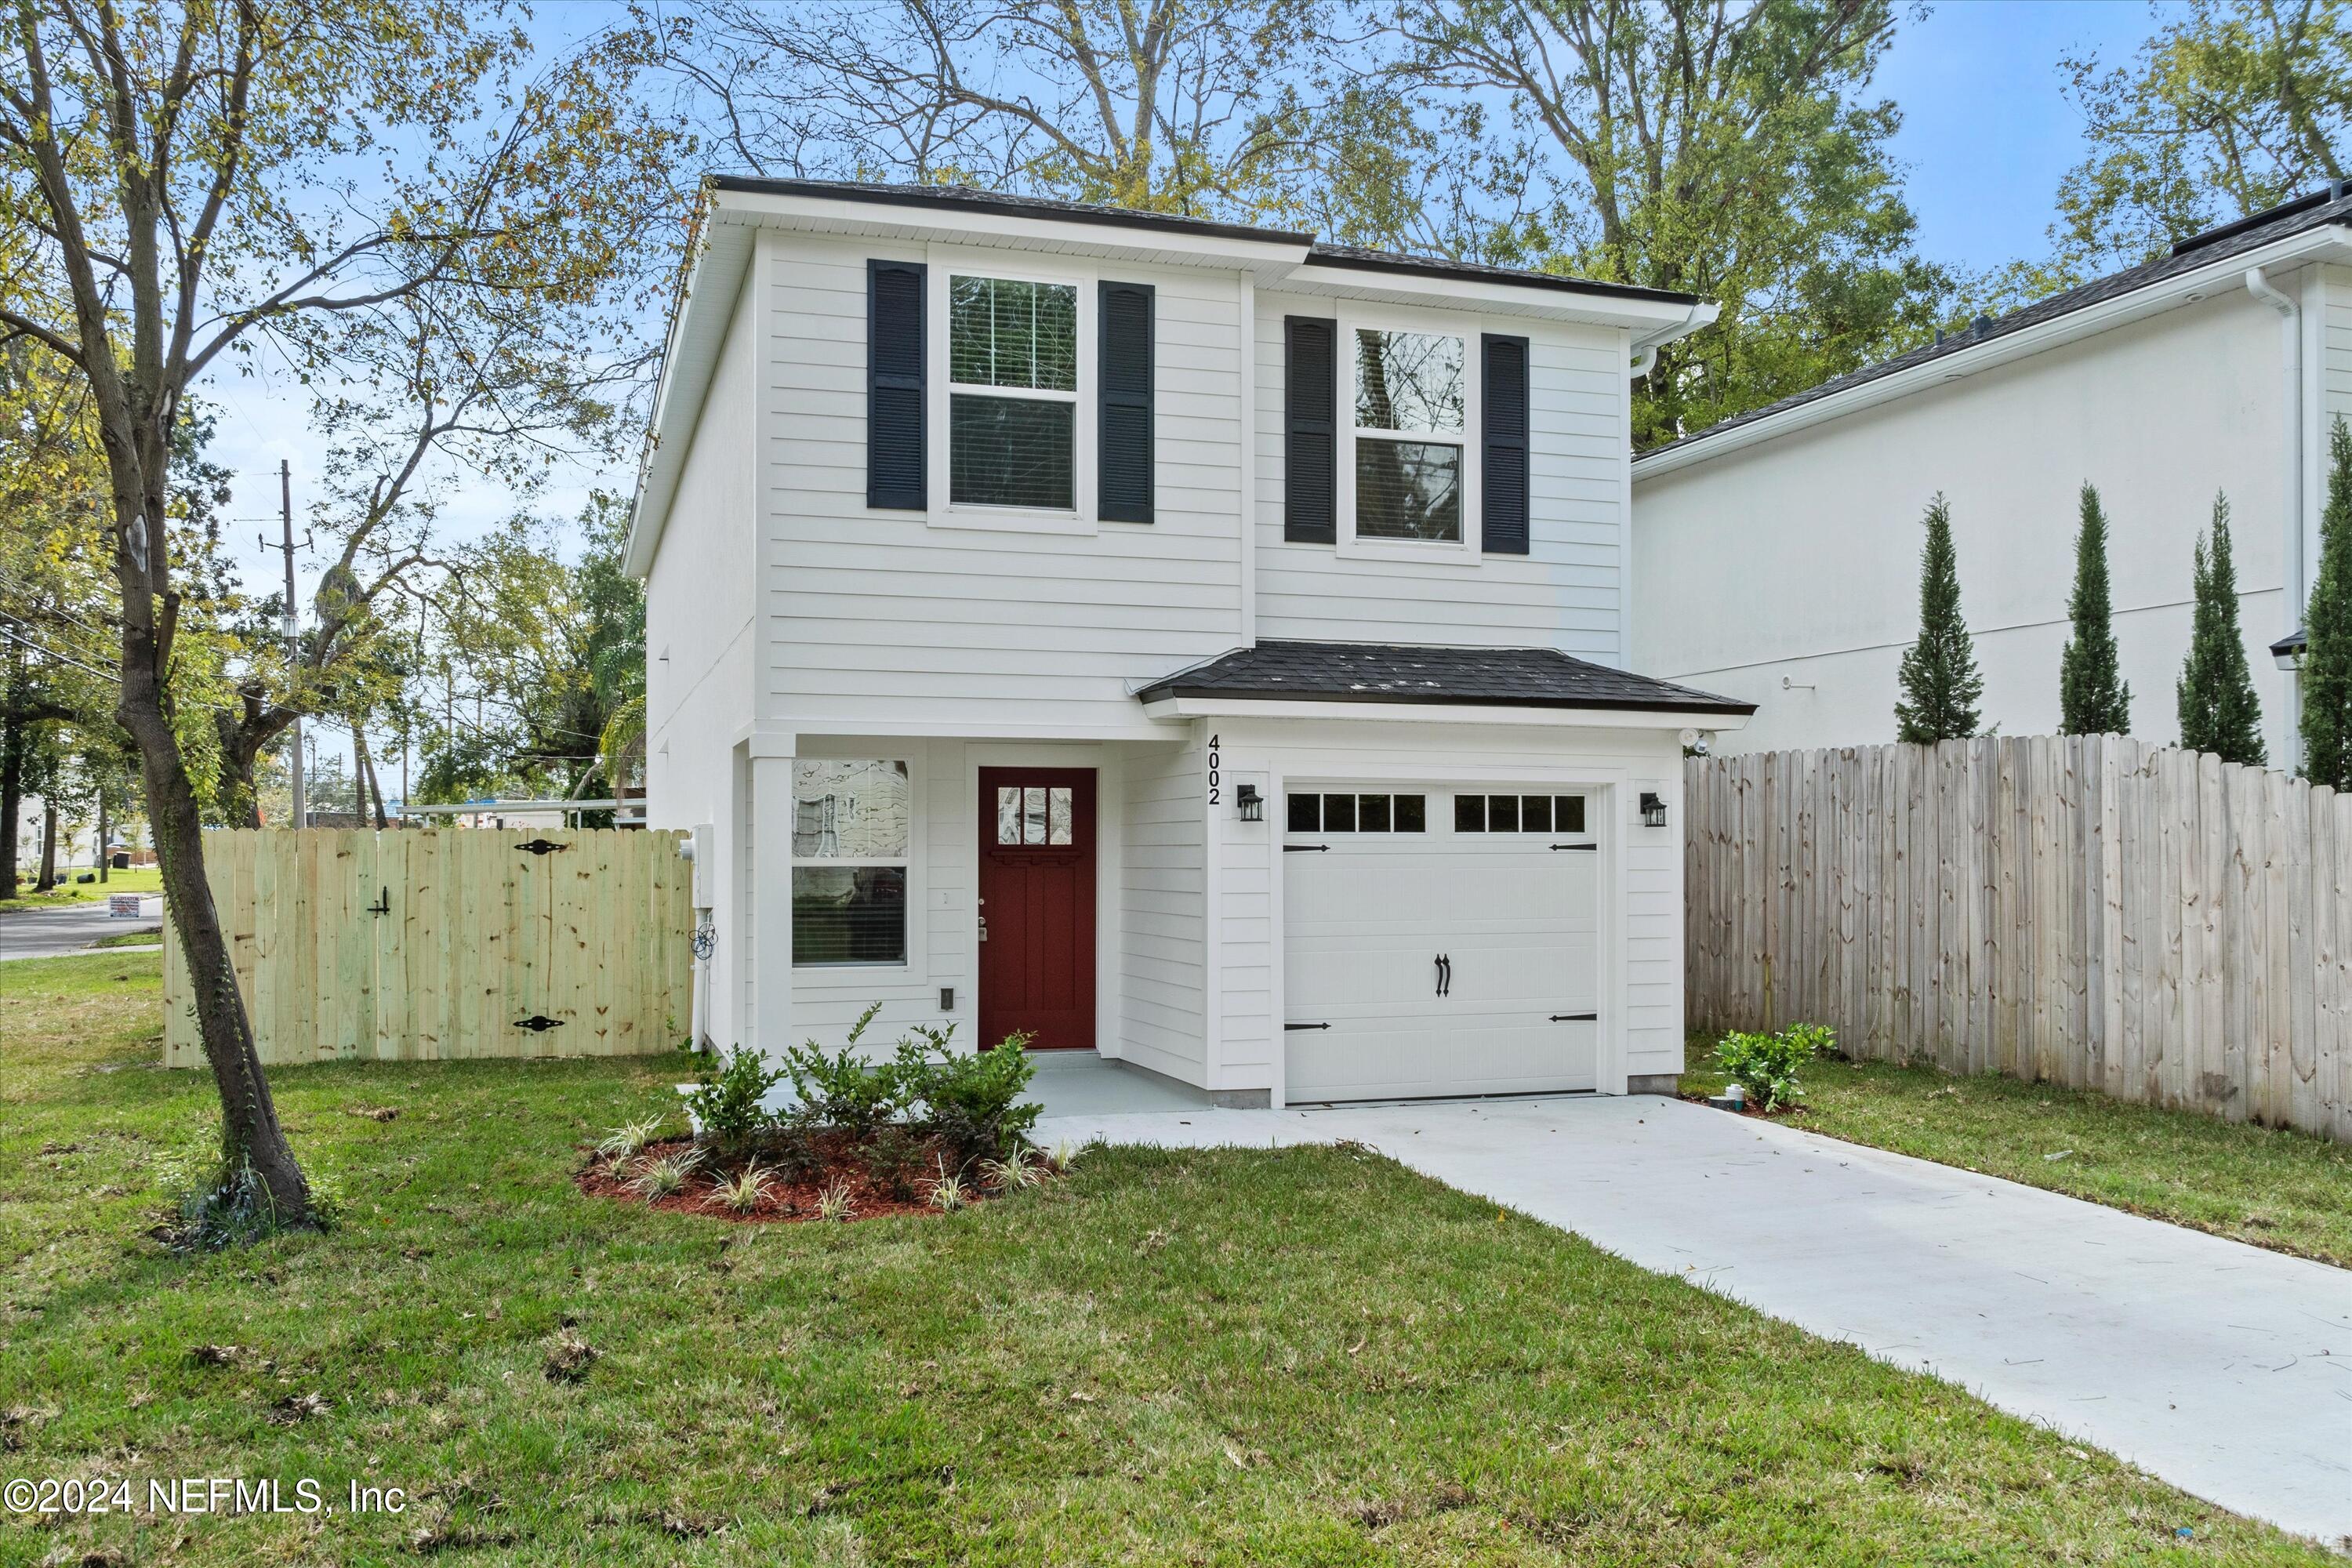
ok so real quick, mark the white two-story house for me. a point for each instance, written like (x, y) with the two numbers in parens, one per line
(1179, 641)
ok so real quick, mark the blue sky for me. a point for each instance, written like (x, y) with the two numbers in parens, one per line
(1987, 135)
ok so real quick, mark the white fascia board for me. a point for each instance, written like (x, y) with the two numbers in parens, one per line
(2224, 274)
(1650, 322)
(1167, 247)
(1173, 710)
(697, 334)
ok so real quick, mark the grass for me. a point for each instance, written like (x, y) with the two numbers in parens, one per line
(2275, 1188)
(137, 880)
(1303, 1357)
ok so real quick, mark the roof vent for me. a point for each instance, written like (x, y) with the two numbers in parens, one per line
(1981, 325)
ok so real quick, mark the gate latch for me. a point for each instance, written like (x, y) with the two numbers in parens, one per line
(382, 905)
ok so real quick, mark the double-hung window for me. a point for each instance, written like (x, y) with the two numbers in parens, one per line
(1409, 422)
(1013, 394)
(852, 828)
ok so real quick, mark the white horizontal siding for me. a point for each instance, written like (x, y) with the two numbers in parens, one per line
(1163, 980)
(879, 617)
(2337, 344)
(1565, 593)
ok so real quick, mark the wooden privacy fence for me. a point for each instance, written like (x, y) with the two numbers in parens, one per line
(420, 945)
(2087, 910)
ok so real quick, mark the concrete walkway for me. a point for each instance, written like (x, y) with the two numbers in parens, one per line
(68, 927)
(2224, 1368)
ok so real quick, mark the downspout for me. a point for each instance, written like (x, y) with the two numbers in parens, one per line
(2291, 558)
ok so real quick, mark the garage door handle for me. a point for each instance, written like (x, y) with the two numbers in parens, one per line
(1445, 975)
(1591, 848)
(1287, 1028)
(1576, 1018)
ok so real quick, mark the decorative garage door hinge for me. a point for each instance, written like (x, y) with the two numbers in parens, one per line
(1576, 1018)
(1306, 848)
(539, 1023)
(1286, 1028)
(1594, 848)
(541, 847)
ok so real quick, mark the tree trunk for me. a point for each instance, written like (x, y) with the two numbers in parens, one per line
(105, 860)
(48, 877)
(12, 789)
(364, 786)
(251, 1133)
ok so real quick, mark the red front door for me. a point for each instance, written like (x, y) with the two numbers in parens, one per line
(1037, 907)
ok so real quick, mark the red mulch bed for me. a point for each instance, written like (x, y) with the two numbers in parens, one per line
(785, 1203)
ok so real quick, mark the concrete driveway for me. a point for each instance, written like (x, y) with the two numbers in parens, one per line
(2223, 1368)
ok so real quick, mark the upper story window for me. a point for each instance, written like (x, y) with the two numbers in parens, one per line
(1410, 418)
(1015, 443)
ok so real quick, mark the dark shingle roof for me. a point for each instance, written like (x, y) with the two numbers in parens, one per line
(1381, 672)
(2332, 205)
(968, 199)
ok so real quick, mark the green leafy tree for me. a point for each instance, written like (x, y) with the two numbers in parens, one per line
(2327, 628)
(1939, 679)
(2219, 711)
(2231, 107)
(1732, 151)
(190, 183)
(2093, 698)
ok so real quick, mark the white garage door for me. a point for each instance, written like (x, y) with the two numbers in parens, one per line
(1438, 961)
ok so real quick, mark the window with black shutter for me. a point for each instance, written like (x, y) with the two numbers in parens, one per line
(1123, 455)
(893, 384)
(1310, 437)
(1503, 477)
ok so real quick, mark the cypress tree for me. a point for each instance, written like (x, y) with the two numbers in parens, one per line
(2327, 630)
(2093, 698)
(2219, 711)
(1940, 683)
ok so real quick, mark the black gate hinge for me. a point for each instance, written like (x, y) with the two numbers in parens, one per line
(541, 847)
(539, 1023)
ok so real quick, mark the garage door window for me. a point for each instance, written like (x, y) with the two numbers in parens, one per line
(1334, 812)
(1519, 814)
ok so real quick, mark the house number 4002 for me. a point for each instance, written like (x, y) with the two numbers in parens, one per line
(1215, 798)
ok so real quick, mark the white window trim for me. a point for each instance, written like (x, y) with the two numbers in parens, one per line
(913, 861)
(1469, 551)
(943, 262)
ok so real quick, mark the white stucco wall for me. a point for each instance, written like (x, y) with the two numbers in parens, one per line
(1798, 557)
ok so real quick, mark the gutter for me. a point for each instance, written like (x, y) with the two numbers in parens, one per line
(2290, 314)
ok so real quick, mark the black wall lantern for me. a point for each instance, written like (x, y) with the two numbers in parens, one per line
(1653, 809)
(1252, 803)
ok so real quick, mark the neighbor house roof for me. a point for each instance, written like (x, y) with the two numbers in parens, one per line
(1989, 336)
(1464, 677)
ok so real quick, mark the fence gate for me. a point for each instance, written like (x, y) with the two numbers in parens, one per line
(418, 946)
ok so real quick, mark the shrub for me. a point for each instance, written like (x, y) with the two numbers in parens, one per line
(972, 1103)
(626, 1141)
(846, 1090)
(727, 1104)
(891, 1158)
(835, 1205)
(1768, 1065)
(742, 1192)
(666, 1177)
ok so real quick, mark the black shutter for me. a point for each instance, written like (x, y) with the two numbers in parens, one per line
(1310, 443)
(1503, 472)
(1123, 369)
(893, 384)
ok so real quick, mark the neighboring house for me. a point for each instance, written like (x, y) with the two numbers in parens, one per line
(1777, 556)
(1183, 641)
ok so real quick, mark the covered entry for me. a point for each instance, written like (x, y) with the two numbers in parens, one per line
(1439, 942)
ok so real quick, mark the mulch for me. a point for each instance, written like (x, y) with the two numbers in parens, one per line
(785, 1203)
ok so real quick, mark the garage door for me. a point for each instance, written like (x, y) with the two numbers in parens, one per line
(1450, 948)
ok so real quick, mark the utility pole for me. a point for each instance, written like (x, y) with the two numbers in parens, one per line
(300, 816)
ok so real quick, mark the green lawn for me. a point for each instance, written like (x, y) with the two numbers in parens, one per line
(1309, 1356)
(2276, 1189)
(137, 880)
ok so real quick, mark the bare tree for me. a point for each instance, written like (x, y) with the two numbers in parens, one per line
(204, 176)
